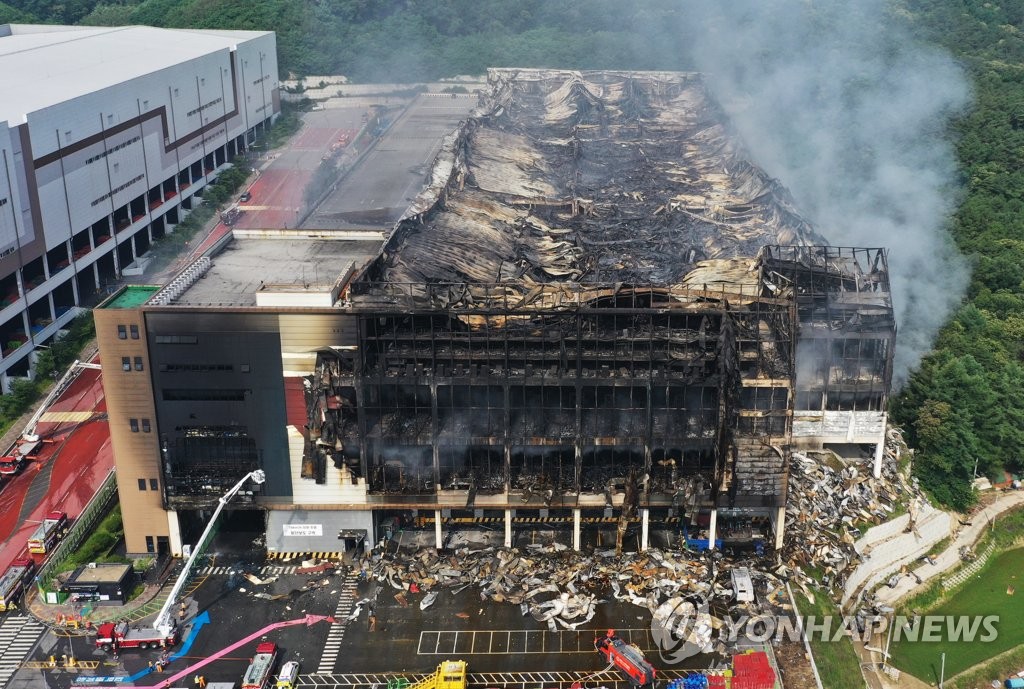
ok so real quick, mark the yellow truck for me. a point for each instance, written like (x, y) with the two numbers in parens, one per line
(451, 674)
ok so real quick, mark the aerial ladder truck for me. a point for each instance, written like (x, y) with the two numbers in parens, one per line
(164, 632)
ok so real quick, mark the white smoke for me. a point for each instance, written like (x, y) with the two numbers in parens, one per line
(849, 111)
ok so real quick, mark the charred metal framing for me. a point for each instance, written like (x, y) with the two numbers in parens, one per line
(582, 390)
(581, 303)
(847, 327)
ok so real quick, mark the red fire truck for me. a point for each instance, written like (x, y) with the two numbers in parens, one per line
(629, 659)
(53, 528)
(114, 636)
(257, 675)
(14, 581)
(10, 464)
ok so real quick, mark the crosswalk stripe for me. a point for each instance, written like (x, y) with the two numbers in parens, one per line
(18, 636)
(332, 647)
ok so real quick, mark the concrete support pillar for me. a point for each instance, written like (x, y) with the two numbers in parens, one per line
(780, 528)
(438, 536)
(174, 533)
(713, 528)
(880, 449)
(508, 528)
(576, 528)
(645, 529)
(74, 292)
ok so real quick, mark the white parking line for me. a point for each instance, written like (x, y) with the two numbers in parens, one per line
(569, 641)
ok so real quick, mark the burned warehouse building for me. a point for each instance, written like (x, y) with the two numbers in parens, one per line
(598, 310)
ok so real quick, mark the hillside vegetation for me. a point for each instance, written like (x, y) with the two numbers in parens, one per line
(965, 404)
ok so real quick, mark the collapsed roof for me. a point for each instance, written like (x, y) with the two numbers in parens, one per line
(589, 177)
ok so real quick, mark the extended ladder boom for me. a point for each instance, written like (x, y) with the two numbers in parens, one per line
(164, 621)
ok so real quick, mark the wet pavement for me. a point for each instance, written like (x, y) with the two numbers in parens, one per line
(67, 471)
(491, 637)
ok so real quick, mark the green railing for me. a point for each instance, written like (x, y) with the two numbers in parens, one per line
(82, 528)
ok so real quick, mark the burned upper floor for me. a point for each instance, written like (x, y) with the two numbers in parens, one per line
(589, 177)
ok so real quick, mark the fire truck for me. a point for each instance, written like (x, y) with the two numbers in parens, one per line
(10, 464)
(257, 675)
(164, 633)
(114, 636)
(14, 581)
(53, 528)
(629, 659)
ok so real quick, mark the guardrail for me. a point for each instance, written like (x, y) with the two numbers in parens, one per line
(83, 526)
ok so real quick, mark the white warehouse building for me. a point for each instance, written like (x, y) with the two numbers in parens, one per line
(106, 135)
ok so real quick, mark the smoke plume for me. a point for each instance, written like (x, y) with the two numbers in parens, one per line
(850, 112)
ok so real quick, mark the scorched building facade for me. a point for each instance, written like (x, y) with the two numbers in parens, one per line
(107, 135)
(595, 313)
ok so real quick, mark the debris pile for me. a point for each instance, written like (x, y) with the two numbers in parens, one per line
(561, 588)
(831, 501)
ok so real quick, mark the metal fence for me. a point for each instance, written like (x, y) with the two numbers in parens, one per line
(83, 527)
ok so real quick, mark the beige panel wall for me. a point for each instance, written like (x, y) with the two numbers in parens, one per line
(129, 396)
(302, 334)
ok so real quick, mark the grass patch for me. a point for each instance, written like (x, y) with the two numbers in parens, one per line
(136, 591)
(1005, 531)
(939, 547)
(837, 661)
(985, 594)
(998, 669)
(97, 547)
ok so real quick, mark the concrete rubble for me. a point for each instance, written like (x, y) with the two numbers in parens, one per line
(562, 589)
(831, 501)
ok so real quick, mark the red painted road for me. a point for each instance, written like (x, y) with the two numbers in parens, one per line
(279, 195)
(215, 236)
(81, 456)
(321, 138)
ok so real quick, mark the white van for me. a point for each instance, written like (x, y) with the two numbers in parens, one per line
(288, 676)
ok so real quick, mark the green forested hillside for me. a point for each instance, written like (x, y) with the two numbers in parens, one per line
(965, 403)
(371, 40)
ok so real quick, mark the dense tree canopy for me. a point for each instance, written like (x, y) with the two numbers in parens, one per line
(964, 407)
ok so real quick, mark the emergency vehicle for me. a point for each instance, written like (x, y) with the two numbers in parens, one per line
(53, 528)
(629, 659)
(257, 675)
(114, 636)
(14, 581)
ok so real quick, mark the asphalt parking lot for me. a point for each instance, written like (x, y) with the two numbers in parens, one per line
(491, 637)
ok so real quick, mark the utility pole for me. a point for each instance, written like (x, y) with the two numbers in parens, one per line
(888, 641)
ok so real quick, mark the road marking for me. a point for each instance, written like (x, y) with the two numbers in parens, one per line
(534, 641)
(611, 679)
(265, 570)
(66, 416)
(18, 636)
(332, 647)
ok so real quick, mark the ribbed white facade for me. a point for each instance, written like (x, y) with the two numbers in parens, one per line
(106, 134)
